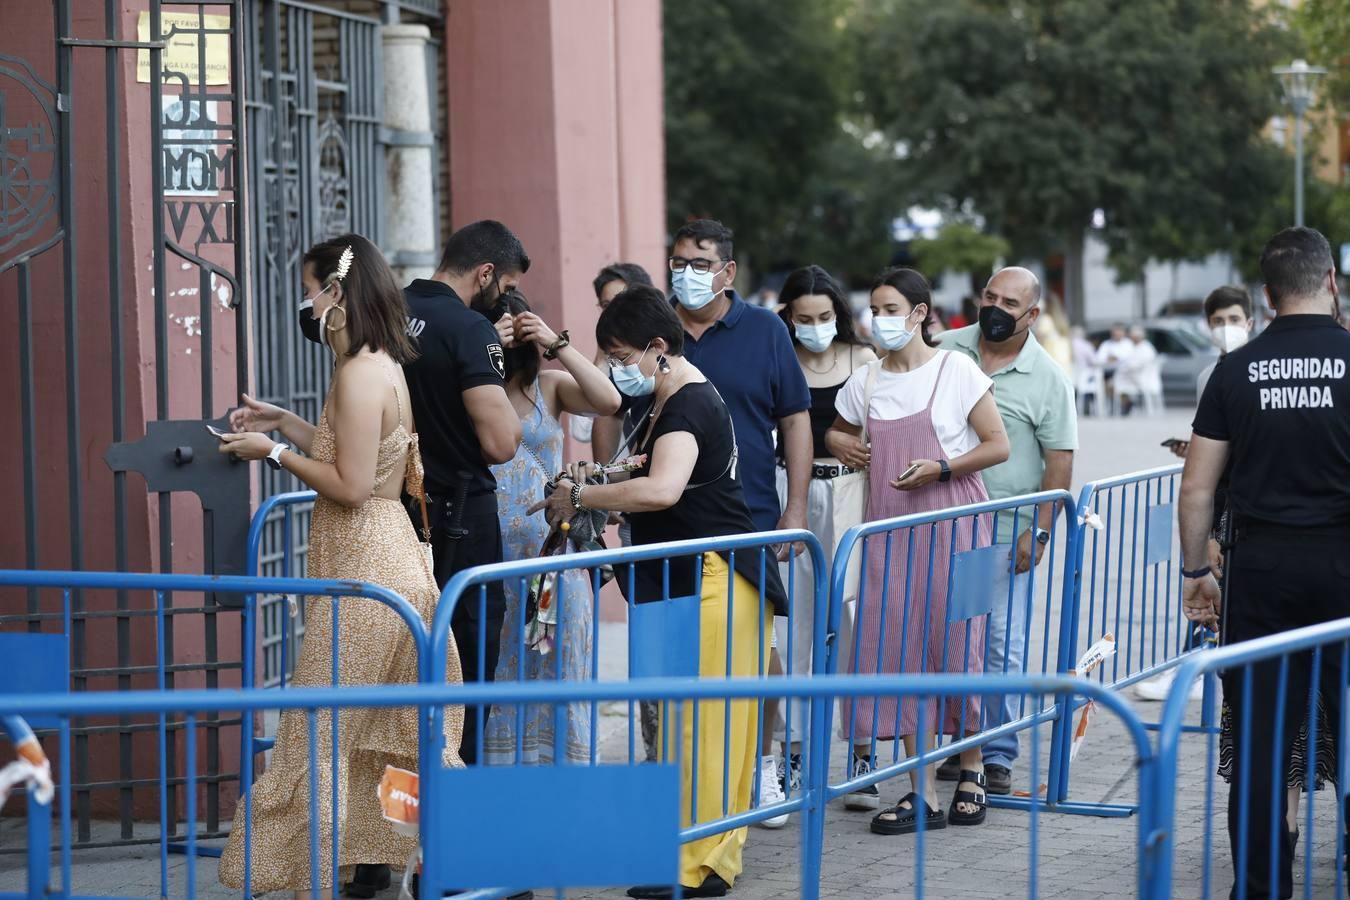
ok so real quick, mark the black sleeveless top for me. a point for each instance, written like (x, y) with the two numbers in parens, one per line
(821, 414)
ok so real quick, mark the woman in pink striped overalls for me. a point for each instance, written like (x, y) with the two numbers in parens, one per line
(931, 428)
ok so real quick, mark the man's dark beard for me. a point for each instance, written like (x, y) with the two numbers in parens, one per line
(485, 303)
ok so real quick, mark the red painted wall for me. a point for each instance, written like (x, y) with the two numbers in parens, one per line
(556, 129)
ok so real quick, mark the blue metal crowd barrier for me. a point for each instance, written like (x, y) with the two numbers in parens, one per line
(273, 613)
(161, 585)
(476, 843)
(1270, 722)
(1131, 572)
(981, 586)
(1129, 585)
(1153, 639)
(1115, 570)
(661, 635)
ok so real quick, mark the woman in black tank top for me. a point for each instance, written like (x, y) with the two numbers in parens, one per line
(829, 350)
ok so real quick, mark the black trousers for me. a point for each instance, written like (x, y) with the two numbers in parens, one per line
(461, 540)
(1279, 580)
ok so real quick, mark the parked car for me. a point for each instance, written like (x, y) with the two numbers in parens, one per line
(1183, 352)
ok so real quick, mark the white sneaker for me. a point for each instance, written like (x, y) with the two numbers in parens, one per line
(770, 791)
(1158, 687)
(863, 798)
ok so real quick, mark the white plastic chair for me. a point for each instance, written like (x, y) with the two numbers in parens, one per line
(1091, 386)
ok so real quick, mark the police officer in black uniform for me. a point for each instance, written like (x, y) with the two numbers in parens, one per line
(465, 423)
(1280, 408)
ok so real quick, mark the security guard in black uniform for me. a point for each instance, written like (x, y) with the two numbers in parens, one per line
(1280, 407)
(465, 423)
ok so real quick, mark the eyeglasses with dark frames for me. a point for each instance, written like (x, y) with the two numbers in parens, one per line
(701, 266)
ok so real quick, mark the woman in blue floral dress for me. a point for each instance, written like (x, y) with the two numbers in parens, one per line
(526, 736)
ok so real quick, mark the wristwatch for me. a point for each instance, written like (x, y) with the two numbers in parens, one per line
(946, 473)
(1196, 573)
(1042, 536)
(274, 458)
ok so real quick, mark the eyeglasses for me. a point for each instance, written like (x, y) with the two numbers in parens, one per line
(701, 266)
(617, 363)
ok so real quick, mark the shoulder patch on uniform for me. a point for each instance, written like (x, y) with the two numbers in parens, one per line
(497, 358)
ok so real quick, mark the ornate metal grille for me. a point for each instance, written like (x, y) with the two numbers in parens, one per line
(315, 163)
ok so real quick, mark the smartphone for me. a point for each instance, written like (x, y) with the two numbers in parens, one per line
(913, 467)
(215, 431)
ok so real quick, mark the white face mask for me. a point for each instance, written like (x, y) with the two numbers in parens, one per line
(630, 380)
(694, 289)
(1228, 338)
(816, 338)
(890, 332)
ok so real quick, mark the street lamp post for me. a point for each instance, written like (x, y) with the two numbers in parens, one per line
(1299, 81)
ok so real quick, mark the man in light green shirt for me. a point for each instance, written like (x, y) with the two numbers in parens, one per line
(1036, 400)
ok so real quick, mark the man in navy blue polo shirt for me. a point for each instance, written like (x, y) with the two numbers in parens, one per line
(745, 351)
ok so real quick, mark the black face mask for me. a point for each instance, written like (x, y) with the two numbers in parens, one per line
(309, 326)
(485, 302)
(997, 324)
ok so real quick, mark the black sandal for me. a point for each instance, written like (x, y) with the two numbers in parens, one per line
(906, 819)
(978, 798)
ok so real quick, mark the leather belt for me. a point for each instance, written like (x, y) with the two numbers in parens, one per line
(825, 472)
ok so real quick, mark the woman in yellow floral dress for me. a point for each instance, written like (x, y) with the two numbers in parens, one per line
(360, 458)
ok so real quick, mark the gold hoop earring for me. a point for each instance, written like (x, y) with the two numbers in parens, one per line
(337, 309)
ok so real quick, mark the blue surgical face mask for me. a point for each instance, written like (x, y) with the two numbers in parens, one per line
(694, 290)
(629, 379)
(816, 338)
(890, 332)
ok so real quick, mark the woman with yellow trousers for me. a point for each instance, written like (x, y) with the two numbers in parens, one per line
(687, 488)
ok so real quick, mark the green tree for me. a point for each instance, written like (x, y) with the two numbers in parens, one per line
(1326, 208)
(843, 215)
(1325, 26)
(1037, 114)
(961, 247)
(753, 94)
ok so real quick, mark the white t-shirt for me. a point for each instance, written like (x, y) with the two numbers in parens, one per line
(899, 394)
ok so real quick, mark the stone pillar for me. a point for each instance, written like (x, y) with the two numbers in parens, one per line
(410, 154)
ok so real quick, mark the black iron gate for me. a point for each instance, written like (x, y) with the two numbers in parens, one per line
(121, 168)
(316, 167)
(128, 147)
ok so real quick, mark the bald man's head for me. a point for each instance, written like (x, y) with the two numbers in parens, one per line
(1009, 305)
(1017, 281)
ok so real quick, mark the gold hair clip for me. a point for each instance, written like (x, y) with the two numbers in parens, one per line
(344, 265)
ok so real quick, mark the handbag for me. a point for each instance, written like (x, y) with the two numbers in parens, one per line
(425, 543)
(849, 508)
(414, 465)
